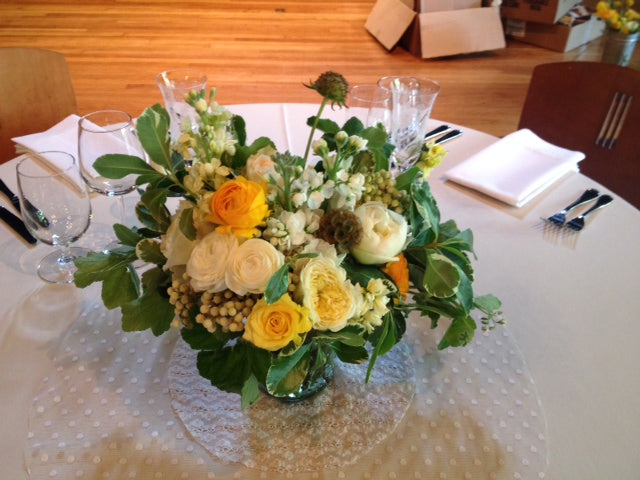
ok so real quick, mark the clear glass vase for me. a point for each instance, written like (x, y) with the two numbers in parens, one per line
(319, 376)
(619, 47)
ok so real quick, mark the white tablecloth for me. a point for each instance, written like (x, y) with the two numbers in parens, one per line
(569, 351)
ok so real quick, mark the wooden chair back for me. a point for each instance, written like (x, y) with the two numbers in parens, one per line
(36, 92)
(594, 108)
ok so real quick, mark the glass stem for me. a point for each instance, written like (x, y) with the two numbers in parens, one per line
(66, 257)
(123, 212)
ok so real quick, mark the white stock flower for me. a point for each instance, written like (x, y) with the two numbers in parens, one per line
(324, 249)
(295, 223)
(384, 234)
(251, 265)
(207, 264)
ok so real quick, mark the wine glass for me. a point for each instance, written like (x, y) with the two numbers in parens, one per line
(411, 102)
(108, 132)
(371, 104)
(56, 209)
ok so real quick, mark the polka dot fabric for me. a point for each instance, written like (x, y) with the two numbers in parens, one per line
(107, 410)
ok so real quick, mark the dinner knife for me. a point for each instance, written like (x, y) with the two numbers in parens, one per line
(13, 198)
(16, 224)
(449, 136)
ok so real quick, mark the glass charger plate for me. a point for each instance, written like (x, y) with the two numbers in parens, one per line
(105, 411)
(333, 428)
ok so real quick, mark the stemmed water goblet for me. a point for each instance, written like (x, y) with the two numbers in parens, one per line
(56, 209)
(412, 100)
(108, 132)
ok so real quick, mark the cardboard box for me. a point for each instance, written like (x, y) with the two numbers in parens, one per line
(539, 11)
(425, 6)
(435, 34)
(560, 38)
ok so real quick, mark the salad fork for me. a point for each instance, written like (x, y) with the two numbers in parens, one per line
(577, 223)
(561, 217)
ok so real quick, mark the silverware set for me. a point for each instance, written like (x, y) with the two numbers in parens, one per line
(577, 223)
(11, 219)
(444, 134)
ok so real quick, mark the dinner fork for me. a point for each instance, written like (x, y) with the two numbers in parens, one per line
(561, 217)
(577, 223)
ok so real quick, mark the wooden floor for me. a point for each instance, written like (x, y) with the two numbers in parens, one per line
(260, 51)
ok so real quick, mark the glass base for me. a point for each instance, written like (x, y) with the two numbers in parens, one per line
(58, 267)
(320, 374)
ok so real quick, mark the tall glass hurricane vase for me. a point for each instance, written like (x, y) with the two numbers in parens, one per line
(56, 209)
(108, 132)
(371, 104)
(412, 100)
(174, 86)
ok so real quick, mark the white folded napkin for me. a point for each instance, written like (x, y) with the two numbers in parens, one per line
(516, 168)
(61, 137)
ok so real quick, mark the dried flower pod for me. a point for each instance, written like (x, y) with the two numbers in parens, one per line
(332, 86)
(341, 228)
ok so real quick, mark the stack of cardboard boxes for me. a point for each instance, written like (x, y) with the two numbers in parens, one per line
(437, 28)
(550, 23)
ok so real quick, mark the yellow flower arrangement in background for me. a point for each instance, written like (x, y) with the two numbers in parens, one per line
(619, 15)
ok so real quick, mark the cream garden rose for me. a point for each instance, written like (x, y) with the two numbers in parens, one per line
(260, 165)
(331, 298)
(384, 234)
(251, 265)
(175, 246)
(207, 264)
(274, 326)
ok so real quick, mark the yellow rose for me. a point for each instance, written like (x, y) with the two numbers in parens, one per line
(274, 326)
(331, 299)
(238, 207)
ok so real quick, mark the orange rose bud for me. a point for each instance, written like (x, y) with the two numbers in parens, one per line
(238, 207)
(399, 273)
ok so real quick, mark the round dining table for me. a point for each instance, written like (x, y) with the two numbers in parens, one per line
(551, 394)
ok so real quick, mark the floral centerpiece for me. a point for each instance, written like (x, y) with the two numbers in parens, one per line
(270, 265)
(619, 15)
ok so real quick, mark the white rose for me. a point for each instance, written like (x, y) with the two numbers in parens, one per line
(175, 246)
(384, 234)
(208, 262)
(259, 166)
(251, 265)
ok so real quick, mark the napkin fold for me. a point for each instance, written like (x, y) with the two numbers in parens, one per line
(62, 137)
(516, 168)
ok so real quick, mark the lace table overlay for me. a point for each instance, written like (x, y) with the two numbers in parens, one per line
(333, 428)
(106, 411)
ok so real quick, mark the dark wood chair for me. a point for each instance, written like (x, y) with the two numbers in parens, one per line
(594, 108)
(36, 92)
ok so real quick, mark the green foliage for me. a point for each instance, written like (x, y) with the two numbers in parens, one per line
(187, 227)
(119, 166)
(287, 372)
(278, 285)
(153, 131)
(231, 367)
